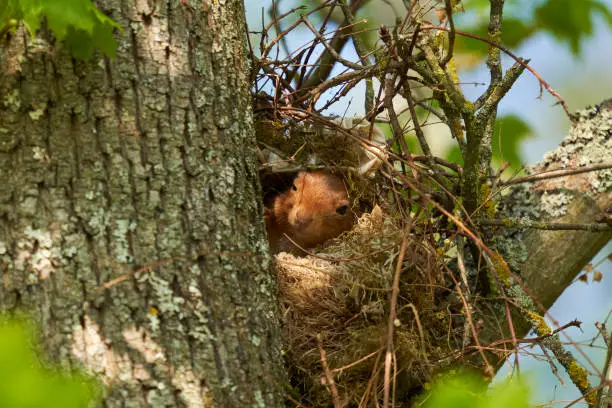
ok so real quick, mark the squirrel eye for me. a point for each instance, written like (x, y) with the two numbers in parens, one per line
(342, 210)
(294, 187)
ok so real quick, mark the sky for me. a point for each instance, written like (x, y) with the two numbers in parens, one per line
(582, 80)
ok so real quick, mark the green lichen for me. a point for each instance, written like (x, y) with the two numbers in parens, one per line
(555, 204)
(259, 400)
(37, 113)
(12, 100)
(120, 241)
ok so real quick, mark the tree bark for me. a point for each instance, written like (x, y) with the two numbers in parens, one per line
(548, 261)
(130, 213)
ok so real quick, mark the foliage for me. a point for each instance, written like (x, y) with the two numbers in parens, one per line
(24, 383)
(469, 390)
(81, 26)
(510, 131)
(568, 21)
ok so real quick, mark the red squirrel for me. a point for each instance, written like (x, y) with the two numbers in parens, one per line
(314, 209)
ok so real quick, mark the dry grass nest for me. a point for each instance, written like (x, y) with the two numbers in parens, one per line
(337, 301)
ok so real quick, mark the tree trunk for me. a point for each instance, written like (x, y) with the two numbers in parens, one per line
(130, 214)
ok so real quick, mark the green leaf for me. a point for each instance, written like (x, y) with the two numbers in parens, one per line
(454, 155)
(468, 390)
(79, 23)
(515, 31)
(510, 131)
(571, 20)
(24, 383)
(9, 10)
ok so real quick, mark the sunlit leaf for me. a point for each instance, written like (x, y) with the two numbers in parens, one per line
(468, 390)
(24, 383)
(83, 27)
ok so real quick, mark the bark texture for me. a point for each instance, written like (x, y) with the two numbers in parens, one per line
(141, 170)
(548, 261)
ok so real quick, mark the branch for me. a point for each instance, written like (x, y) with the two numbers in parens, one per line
(550, 226)
(550, 260)
(543, 83)
(326, 62)
(555, 174)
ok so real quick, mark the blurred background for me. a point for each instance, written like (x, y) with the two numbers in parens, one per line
(569, 43)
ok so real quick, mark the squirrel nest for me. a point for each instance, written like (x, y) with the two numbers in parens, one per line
(337, 301)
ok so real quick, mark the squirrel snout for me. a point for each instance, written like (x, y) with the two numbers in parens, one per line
(299, 219)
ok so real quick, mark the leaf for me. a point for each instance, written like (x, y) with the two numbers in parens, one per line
(83, 27)
(510, 131)
(570, 20)
(515, 31)
(454, 155)
(468, 390)
(25, 383)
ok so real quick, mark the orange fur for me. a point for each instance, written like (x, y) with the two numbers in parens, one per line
(315, 209)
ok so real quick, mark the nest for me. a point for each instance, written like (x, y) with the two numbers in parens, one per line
(336, 304)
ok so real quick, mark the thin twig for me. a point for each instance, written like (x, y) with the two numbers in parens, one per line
(329, 376)
(544, 225)
(392, 314)
(451, 33)
(516, 58)
(556, 173)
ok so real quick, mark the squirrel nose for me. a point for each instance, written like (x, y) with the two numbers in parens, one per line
(301, 220)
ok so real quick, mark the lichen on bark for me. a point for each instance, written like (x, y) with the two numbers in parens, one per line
(141, 172)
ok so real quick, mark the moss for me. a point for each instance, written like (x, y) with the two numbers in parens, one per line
(539, 324)
(488, 205)
(580, 377)
(458, 129)
(502, 270)
(452, 70)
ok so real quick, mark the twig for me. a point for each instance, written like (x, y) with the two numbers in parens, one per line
(354, 363)
(604, 395)
(392, 314)
(543, 225)
(516, 58)
(328, 375)
(329, 49)
(326, 62)
(538, 339)
(513, 334)
(489, 372)
(556, 173)
(451, 33)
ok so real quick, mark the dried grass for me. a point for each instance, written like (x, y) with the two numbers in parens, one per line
(338, 299)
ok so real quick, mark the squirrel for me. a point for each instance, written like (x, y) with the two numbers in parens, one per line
(314, 209)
